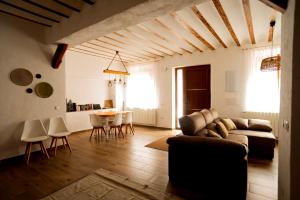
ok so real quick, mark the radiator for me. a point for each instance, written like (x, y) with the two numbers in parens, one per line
(272, 117)
(144, 116)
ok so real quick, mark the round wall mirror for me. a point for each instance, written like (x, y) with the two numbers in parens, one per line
(21, 77)
(43, 90)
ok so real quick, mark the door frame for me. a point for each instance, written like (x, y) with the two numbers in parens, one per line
(176, 92)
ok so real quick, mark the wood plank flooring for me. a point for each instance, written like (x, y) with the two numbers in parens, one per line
(127, 157)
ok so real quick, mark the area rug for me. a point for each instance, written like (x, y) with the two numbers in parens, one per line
(103, 184)
(160, 144)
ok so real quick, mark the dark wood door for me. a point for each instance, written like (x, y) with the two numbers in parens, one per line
(196, 88)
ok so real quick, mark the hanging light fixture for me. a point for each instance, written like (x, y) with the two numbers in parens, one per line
(116, 72)
(271, 63)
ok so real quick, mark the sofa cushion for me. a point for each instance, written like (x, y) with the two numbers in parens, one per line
(214, 113)
(260, 125)
(240, 123)
(212, 126)
(211, 133)
(238, 138)
(256, 134)
(207, 116)
(222, 130)
(192, 123)
(229, 124)
(202, 133)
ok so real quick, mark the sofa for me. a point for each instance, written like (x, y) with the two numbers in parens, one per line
(207, 160)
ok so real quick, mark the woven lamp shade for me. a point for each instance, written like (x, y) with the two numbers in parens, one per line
(270, 64)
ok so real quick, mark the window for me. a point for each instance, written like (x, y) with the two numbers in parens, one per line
(263, 89)
(141, 88)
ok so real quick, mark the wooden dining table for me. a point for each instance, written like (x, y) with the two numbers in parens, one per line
(111, 113)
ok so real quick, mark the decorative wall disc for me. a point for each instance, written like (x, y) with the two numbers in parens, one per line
(21, 77)
(43, 90)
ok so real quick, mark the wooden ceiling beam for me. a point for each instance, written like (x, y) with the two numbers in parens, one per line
(126, 46)
(91, 54)
(24, 18)
(207, 25)
(106, 50)
(90, 2)
(67, 5)
(46, 8)
(123, 49)
(152, 41)
(177, 35)
(101, 51)
(139, 45)
(103, 55)
(28, 11)
(248, 16)
(225, 19)
(279, 5)
(115, 48)
(160, 37)
(192, 30)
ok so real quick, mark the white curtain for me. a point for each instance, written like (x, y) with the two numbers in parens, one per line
(263, 91)
(141, 88)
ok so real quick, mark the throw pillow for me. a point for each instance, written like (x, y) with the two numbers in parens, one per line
(260, 125)
(241, 123)
(229, 124)
(202, 133)
(211, 133)
(221, 128)
(212, 127)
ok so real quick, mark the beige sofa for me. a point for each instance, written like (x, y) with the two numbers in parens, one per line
(261, 141)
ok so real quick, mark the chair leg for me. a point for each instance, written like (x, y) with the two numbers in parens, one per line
(103, 130)
(62, 139)
(51, 143)
(26, 150)
(121, 132)
(68, 145)
(44, 150)
(55, 149)
(29, 152)
(132, 129)
(92, 133)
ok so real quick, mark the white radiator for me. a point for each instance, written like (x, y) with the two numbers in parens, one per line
(144, 116)
(272, 117)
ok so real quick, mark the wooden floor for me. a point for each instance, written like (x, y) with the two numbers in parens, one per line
(127, 157)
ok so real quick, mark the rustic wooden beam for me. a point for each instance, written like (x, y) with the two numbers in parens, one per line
(90, 2)
(122, 49)
(107, 52)
(160, 37)
(67, 5)
(248, 16)
(99, 54)
(28, 11)
(207, 25)
(90, 54)
(225, 19)
(46, 8)
(126, 46)
(279, 5)
(24, 18)
(137, 44)
(177, 35)
(108, 71)
(188, 27)
(152, 41)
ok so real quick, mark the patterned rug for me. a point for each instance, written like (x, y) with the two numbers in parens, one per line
(103, 184)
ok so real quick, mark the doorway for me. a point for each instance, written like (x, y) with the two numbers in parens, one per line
(193, 92)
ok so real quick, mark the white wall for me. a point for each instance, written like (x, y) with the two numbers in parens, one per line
(85, 81)
(221, 61)
(20, 48)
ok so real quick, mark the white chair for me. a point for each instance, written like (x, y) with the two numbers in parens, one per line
(34, 132)
(97, 122)
(116, 124)
(57, 129)
(127, 122)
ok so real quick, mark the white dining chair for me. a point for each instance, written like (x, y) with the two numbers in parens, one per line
(98, 123)
(127, 122)
(34, 132)
(57, 129)
(116, 125)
